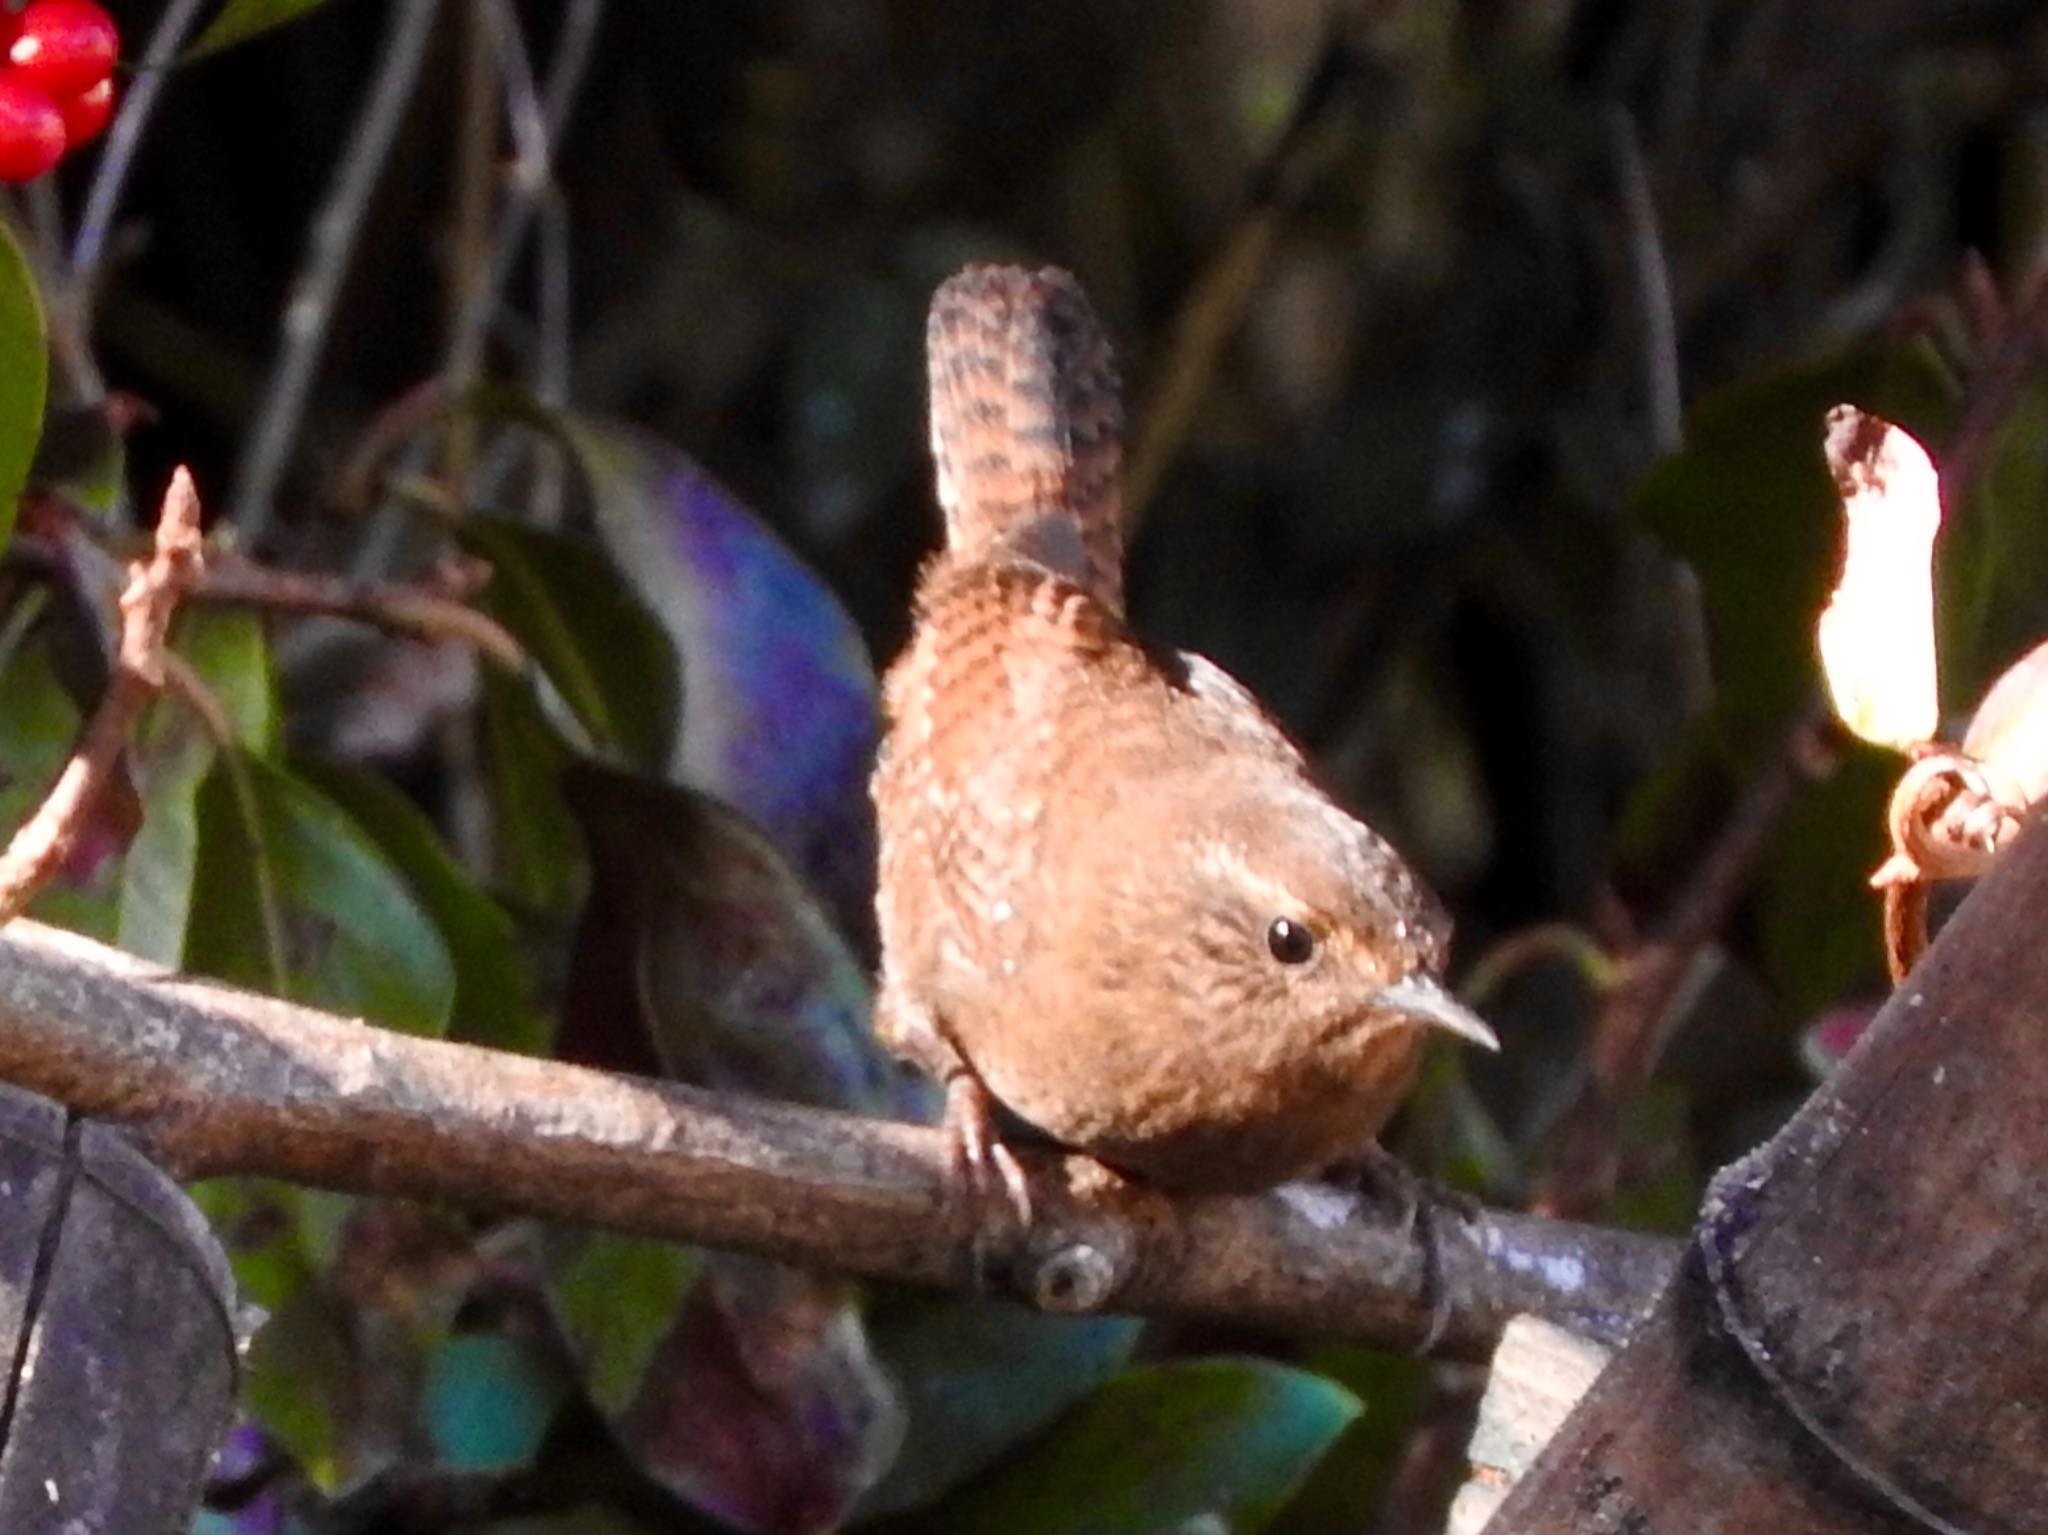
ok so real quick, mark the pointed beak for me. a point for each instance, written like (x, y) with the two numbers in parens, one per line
(1426, 1001)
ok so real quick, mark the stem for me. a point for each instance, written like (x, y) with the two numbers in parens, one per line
(309, 312)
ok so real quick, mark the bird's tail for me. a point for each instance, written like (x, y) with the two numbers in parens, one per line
(1027, 425)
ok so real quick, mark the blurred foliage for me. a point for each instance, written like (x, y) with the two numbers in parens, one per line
(1398, 290)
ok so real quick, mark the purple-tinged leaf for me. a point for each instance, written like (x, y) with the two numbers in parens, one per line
(780, 717)
(700, 938)
(763, 1404)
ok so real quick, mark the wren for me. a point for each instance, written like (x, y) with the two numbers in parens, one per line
(1113, 900)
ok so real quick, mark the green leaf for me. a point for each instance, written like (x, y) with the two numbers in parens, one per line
(294, 898)
(294, 1378)
(537, 850)
(493, 986)
(1356, 1472)
(39, 726)
(1991, 602)
(617, 1297)
(575, 613)
(171, 758)
(239, 20)
(488, 1400)
(230, 653)
(298, 1366)
(1156, 1447)
(977, 1377)
(1750, 506)
(24, 375)
(1819, 922)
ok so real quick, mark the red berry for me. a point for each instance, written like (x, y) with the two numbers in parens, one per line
(64, 46)
(31, 130)
(85, 115)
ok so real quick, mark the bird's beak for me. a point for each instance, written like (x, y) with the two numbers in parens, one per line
(1426, 1001)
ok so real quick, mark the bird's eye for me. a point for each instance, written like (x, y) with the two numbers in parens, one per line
(1290, 942)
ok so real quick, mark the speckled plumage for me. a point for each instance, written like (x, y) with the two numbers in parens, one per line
(1085, 842)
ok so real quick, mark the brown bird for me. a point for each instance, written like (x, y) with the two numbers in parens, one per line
(1113, 899)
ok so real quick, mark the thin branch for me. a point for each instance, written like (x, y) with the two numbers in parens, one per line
(1632, 1028)
(155, 587)
(217, 1081)
(117, 156)
(1653, 288)
(309, 312)
(432, 613)
(532, 175)
(1998, 380)
(530, 187)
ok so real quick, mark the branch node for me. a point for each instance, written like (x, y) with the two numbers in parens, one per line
(1076, 1277)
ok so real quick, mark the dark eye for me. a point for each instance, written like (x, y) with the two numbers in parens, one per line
(1290, 942)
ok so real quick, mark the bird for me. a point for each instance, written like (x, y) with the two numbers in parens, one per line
(1117, 910)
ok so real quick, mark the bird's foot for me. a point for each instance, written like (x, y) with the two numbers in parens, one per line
(1386, 1180)
(1383, 1178)
(980, 1164)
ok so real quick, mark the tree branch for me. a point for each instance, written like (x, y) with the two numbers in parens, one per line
(434, 610)
(217, 1081)
(1631, 1031)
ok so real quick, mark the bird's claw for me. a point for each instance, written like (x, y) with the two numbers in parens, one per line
(980, 1162)
(1385, 1178)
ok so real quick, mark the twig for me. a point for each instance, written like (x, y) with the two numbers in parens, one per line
(532, 174)
(1629, 1034)
(117, 156)
(434, 614)
(216, 1081)
(1997, 382)
(155, 587)
(1653, 287)
(462, 357)
(309, 311)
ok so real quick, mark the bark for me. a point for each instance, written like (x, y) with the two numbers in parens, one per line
(214, 1080)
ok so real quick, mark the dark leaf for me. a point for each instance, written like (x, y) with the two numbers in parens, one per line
(239, 20)
(1990, 600)
(1817, 916)
(1749, 504)
(616, 1298)
(607, 659)
(298, 1369)
(39, 726)
(976, 1378)
(726, 961)
(537, 854)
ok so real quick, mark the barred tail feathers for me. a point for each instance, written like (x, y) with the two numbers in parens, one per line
(1027, 425)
